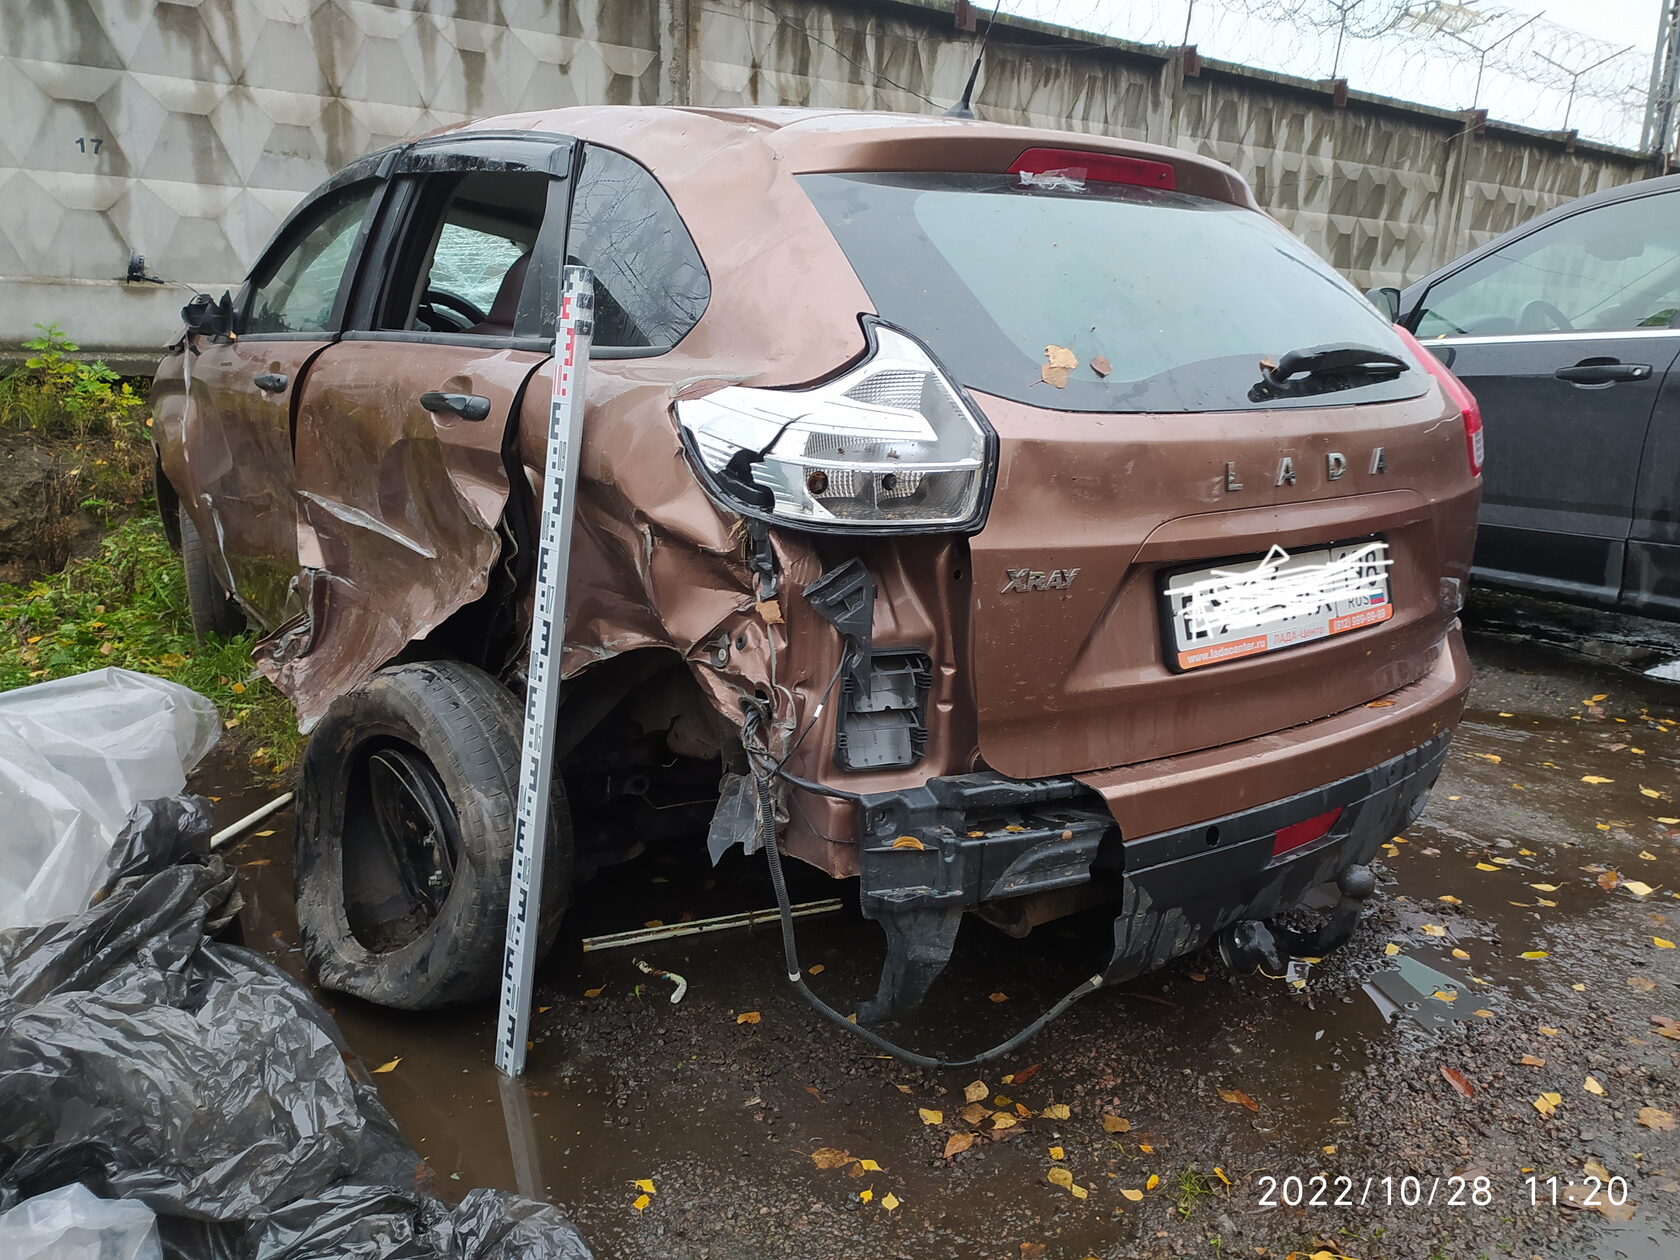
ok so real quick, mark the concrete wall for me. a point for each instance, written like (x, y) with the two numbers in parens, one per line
(183, 130)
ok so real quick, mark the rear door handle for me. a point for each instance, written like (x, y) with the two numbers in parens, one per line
(1603, 372)
(269, 382)
(467, 406)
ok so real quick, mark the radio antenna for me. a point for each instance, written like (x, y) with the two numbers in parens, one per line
(964, 108)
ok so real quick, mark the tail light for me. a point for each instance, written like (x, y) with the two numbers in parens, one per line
(889, 444)
(1096, 168)
(1457, 394)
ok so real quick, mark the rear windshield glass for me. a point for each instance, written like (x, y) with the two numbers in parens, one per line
(1182, 296)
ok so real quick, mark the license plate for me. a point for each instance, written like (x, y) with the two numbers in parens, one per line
(1280, 600)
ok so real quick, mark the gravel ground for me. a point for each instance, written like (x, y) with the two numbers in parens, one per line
(1162, 1119)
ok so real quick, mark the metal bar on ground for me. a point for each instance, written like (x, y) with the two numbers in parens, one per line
(722, 923)
(574, 329)
(250, 820)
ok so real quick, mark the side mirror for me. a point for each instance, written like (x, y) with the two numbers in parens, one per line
(1386, 300)
(208, 316)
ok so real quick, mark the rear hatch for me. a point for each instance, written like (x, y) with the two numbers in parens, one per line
(1177, 554)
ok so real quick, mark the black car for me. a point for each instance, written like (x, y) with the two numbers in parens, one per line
(1567, 329)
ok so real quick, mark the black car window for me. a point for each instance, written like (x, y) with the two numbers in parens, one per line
(296, 290)
(1614, 267)
(650, 285)
(466, 254)
(1182, 296)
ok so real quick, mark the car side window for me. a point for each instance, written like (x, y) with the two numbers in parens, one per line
(469, 249)
(650, 284)
(1612, 268)
(296, 291)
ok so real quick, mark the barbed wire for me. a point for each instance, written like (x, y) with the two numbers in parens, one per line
(1454, 54)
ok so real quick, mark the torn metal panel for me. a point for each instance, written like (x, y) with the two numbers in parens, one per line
(397, 507)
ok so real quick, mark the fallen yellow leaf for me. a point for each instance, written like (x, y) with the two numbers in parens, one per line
(865, 1195)
(868, 1165)
(1133, 1196)
(908, 842)
(975, 1091)
(1545, 887)
(1242, 1099)
(1328, 1150)
(1645, 855)
(1547, 1104)
(1433, 929)
(1669, 822)
(1059, 1177)
(1637, 887)
(1114, 1124)
(644, 1184)
(748, 1017)
(1535, 953)
(816, 969)
(1078, 1191)
(930, 1116)
(1146, 1148)
(1460, 953)
(1483, 866)
(1592, 1086)
(1482, 1014)
(1595, 778)
(390, 1066)
(828, 1157)
(1532, 1060)
(1152, 1182)
(1446, 995)
(1548, 1032)
(1003, 1120)
(593, 993)
(1056, 1152)
(1055, 1111)
(1656, 1118)
(1660, 943)
(998, 997)
(1493, 757)
(890, 1201)
(957, 1143)
(1651, 792)
(1391, 949)
(641, 1202)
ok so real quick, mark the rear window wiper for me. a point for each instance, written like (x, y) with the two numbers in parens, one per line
(1323, 370)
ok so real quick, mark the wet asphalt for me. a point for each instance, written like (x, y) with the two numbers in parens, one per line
(1510, 947)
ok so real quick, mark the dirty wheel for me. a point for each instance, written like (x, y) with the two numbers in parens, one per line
(213, 610)
(405, 837)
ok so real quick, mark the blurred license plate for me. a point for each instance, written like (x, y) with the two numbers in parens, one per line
(1253, 606)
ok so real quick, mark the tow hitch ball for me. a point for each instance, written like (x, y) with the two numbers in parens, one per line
(1253, 944)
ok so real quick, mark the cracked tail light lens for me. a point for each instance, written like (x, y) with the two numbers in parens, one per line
(1458, 393)
(888, 444)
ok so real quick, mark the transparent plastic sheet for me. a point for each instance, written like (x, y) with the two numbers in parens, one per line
(76, 755)
(74, 1224)
(154, 1065)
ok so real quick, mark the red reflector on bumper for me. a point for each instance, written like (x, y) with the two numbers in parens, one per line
(1297, 834)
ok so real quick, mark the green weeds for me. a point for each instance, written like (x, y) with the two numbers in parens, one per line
(126, 605)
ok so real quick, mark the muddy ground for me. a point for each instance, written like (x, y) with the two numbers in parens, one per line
(1171, 1111)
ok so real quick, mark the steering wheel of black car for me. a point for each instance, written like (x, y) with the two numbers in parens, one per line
(1540, 309)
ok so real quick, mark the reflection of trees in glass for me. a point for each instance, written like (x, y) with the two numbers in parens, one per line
(650, 285)
(299, 296)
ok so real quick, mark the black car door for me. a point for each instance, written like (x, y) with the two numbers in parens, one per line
(1564, 334)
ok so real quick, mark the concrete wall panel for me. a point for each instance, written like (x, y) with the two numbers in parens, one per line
(183, 131)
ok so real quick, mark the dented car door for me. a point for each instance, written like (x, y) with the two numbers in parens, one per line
(403, 423)
(225, 405)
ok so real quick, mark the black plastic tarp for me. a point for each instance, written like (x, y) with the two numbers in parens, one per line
(147, 1061)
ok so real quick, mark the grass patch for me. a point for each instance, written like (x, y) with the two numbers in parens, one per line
(126, 605)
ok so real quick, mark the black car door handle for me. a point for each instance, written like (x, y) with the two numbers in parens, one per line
(1603, 373)
(269, 382)
(467, 406)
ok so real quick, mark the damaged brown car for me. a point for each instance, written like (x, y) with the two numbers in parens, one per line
(1060, 530)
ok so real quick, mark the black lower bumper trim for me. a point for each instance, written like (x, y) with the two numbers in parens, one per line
(928, 853)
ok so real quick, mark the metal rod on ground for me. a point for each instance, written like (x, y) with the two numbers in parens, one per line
(250, 820)
(574, 329)
(722, 923)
